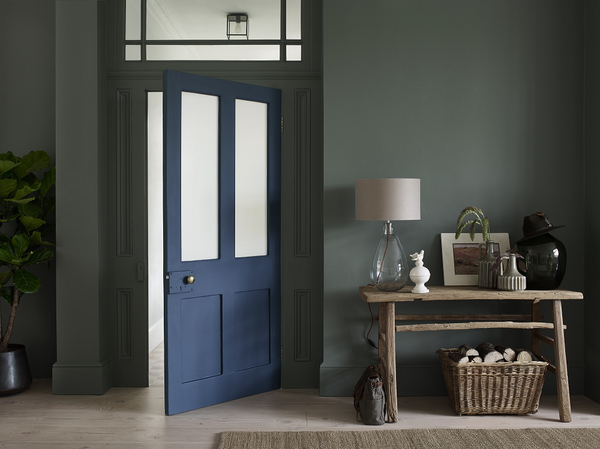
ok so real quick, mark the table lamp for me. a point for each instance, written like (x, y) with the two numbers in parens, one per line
(388, 199)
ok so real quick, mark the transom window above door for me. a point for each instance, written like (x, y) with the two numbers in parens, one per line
(213, 30)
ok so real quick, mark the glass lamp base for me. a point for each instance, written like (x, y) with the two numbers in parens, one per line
(389, 271)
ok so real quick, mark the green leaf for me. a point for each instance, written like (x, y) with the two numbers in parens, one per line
(6, 165)
(9, 156)
(31, 209)
(468, 210)
(6, 254)
(7, 186)
(7, 292)
(461, 227)
(10, 218)
(20, 243)
(9, 258)
(485, 228)
(31, 223)
(40, 255)
(34, 161)
(20, 201)
(36, 239)
(472, 230)
(26, 190)
(26, 282)
(5, 277)
(48, 181)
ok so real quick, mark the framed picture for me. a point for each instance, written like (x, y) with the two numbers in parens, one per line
(460, 256)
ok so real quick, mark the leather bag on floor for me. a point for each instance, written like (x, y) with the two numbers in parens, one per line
(369, 397)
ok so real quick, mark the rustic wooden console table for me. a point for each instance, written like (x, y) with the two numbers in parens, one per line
(388, 328)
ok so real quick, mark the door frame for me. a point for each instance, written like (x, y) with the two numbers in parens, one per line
(302, 224)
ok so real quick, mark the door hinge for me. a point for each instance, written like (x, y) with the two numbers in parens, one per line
(281, 124)
(282, 353)
(140, 271)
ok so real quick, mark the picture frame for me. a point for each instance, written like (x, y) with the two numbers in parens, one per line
(460, 256)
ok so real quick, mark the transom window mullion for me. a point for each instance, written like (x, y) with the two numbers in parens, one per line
(143, 28)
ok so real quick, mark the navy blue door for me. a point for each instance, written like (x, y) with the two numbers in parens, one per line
(222, 240)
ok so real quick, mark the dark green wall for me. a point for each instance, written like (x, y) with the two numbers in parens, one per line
(592, 211)
(484, 102)
(27, 103)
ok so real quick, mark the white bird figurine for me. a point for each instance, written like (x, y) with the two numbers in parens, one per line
(419, 274)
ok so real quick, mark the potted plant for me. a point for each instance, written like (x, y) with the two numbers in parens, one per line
(487, 275)
(25, 204)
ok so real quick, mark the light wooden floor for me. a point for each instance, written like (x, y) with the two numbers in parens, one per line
(134, 417)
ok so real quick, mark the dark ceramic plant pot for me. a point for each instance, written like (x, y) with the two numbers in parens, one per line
(15, 375)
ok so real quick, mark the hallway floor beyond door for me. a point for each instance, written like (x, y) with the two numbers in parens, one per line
(134, 418)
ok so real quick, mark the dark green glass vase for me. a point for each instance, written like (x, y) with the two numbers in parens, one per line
(544, 262)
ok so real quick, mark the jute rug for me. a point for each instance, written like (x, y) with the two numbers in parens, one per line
(544, 438)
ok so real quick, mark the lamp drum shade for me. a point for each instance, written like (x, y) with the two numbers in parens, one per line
(388, 199)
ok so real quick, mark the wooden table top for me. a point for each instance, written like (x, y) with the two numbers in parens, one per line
(462, 293)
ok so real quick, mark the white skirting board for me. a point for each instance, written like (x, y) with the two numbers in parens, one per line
(156, 334)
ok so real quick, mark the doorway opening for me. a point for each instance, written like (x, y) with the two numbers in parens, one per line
(154, 142)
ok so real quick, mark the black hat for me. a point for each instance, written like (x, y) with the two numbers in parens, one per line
(535, 225)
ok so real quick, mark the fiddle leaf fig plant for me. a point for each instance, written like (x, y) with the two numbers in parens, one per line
(25, 204)
(480, 219)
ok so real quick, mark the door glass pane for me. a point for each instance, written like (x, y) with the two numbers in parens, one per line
(250, 178)
(293, 20)
(133, 19)
(207, 19)
(212, 52)
(199, 176)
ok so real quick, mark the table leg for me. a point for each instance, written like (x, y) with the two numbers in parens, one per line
(387, 357)
(536, 345)
(560, 357)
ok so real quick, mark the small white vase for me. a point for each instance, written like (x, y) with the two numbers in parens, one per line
(419, 274)
(511, 279)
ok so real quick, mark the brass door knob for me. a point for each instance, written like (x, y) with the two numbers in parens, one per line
(190, 279)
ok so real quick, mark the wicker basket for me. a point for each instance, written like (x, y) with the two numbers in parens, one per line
(493, 388)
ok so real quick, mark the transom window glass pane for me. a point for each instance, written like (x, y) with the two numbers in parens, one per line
(207, 19)
(293, 20)
(133, 19)
(133, 52)
(212, 52)
(293, 53)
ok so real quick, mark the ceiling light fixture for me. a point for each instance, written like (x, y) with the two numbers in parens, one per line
(237, 26)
